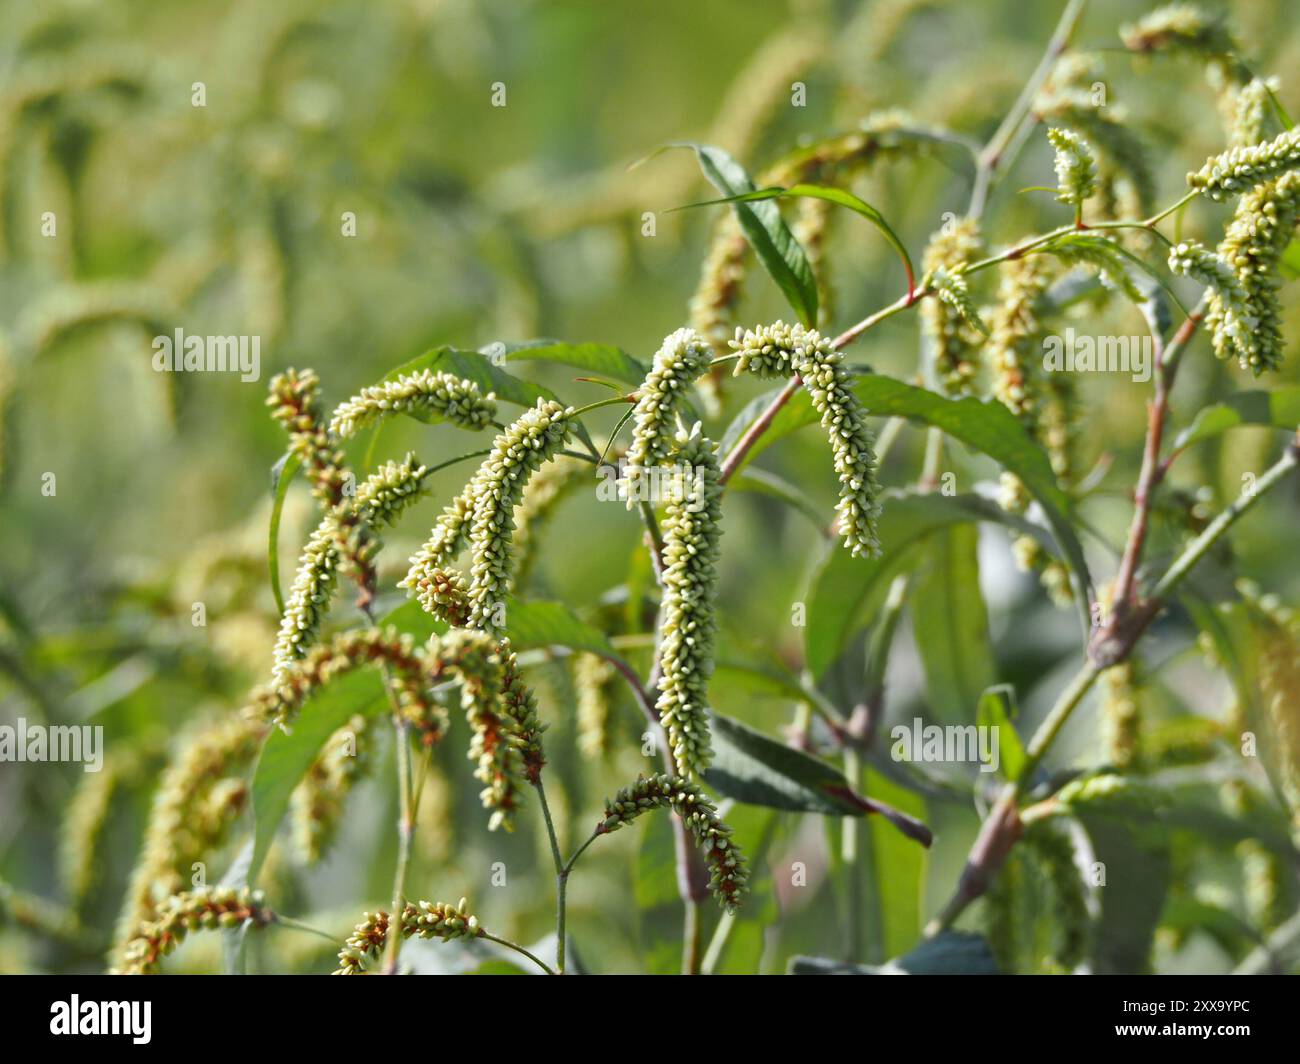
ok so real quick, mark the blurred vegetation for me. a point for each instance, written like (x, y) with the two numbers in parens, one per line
(477, 224)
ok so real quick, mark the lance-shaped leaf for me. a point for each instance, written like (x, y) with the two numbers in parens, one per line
(845, 590)
(838, 196)
(775, 247)
(752, 767)
(1279, 409)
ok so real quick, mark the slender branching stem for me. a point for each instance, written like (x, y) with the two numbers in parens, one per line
(520, 949)
(405, 832)
(1002, 826)
(561, 876)
(995, 153)
(1167, 362)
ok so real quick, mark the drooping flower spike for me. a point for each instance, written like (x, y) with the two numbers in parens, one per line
(426, 919)
(1232, 323)
(950, 321)
(783, 350)
(683, 357)
(1253, 245)
(691, 530)
(1238, 170)
(484, 512)
(295, 403)
(1076, 170)
(207, 908)
(728, 869)
(345, 539)
(461, 402)
(199, 797)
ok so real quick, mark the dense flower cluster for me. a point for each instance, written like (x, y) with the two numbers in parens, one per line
(1179, 27)
(345, 538)
(406, 667)
(495, 748)
(1253, 246)
(1120, 717)
(206, 908)
(728, 869)
(1076, 171)
(199, 797)
(444, 595)
(425, 919)
(592, 677)
(461, 402)
(691, 530)
(484, 512)
(1231, 323)
(682, 358)
(1239, 169)
(950, 322)
(295, 403)
(1251, 108)
(1125, 186)
(782, 350)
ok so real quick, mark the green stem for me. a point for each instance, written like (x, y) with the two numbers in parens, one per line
(296, 925)
(405, 830)
(614, 400)
(850, 827)
(692, 939)
(994, 153)
(582, 849)
(519, 949)
(1002, 824)
(561, 877)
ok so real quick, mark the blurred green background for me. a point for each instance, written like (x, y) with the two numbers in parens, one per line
(475, 224)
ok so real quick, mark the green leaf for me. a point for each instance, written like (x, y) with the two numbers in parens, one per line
(774, 245)
(751, 767)
(797, 413)
(1076, 247)
(988, 427)
(1138, 868)
(285, 759)
(761, 482)
(951, 626)
(1290, 261)
(282, 474)
(654, 890)
(600, 359)
(838, 196)
(537, 623)
(845, 590)
(412, 619)
(897, 868)
(997, 709)
(991, 429)
(948, 953)
(754, 768)
(1278, 409)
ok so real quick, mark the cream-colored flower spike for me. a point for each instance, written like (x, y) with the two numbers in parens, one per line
(782, 350)
(682, 358)
(459, 401)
